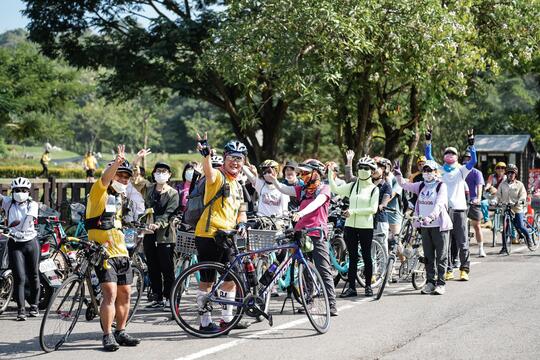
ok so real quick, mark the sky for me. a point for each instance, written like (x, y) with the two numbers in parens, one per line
(10, 15)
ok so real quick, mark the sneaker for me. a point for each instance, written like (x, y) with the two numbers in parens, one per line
(124, 339)
(109, 343)
(21, 315)
(241, 325)
(349, 293)
(428, 288)
(503, 252)
(210, 328)
(515, 241)
(167, 305)
(449, 275)
(155, 305)
(368, 292)
(333, 310)
(34, 311)
(439, 290)
(481, 252)
(464, 275)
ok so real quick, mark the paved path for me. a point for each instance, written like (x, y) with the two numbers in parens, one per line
(495, 315)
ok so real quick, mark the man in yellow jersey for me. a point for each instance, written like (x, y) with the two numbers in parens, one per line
(103, 222)
(226, 213)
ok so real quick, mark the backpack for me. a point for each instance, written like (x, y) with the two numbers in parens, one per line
(196, 206)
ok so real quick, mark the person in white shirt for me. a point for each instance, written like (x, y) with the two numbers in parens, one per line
(20, 212)
(272, 202)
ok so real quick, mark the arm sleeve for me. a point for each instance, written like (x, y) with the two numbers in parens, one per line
(314, 205)
(251, 177)
(172, 205)
(285, 189)
(470, 164)
(408, 186)
(343, 190)
(349, 177)
(427, 152)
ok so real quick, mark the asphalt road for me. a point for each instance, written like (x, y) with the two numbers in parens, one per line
(495, 315)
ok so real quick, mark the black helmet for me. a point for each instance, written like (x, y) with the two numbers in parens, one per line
(235, 147)
(124, 167)
(512, 168)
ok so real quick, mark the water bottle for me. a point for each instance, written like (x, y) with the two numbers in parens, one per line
(268, 275)
(95, 284)
(250, 272)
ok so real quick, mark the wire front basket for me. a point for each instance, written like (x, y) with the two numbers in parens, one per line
(185, 243)
(261, 239)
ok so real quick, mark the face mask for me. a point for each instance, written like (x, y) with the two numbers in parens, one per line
(267, 178)
(20, 196)
(119, 187)
(189, 175)
(364, 175)
(450, 159)
(162, 178)
(428, 177)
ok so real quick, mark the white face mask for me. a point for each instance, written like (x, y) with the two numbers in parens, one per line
(162, 178)
(189, 175)
(119, 187)
(428, 177)
(21, 196)
(364, 175)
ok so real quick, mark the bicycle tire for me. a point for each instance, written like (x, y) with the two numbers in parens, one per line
(74, 310)
(6, 292)
(378, 252)
(533, 244)
(419, 277)
(320, 290)
(387, 273)
(138, 283)
(339, 248)
(178, 291)
(507, 235)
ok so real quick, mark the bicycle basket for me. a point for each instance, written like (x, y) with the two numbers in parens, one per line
(261, 239)
(185, 243)
(4, 257)
(76, 210)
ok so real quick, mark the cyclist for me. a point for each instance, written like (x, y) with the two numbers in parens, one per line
(512, 191)
(417, 176)
(290, 178)
(475, 182)
(44, 161)
(20, 212)
(453, 175)
(89, 166)
(492, 184)
(396, 201)
(190, 176)
(227, 213)
(159, 246)
(363, 205)
(435, 223)
(385, 194)
(103, 214)
(272, 202)
(314, 199)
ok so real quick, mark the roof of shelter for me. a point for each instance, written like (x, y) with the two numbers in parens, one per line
(501, 143)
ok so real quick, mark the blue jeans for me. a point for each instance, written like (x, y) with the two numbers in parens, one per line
(518, 223)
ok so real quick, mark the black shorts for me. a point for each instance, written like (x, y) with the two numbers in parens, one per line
(475, 212)
(119, 271)
(90, 172)
(208, 250)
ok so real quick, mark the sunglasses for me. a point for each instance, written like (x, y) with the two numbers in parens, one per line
(427, 170)
(365, 167)
(20, 190)
(233, 158)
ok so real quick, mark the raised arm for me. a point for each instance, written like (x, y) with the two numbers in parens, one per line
(202, 146)
(284, 189)
(343, 190)
(108, 175)
(250, 175)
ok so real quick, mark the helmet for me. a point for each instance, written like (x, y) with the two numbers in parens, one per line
(235, 146)
(124, 167)
(21, 182)
(512, 168)
(366, 161)
(431, 165)
(216, 160)
(421, 159)
(501, 164)
(269, 164)
(312, 165)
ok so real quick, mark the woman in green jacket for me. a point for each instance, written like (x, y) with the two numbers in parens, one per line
(363, 204)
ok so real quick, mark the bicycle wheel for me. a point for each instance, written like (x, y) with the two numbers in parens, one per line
(136, 291)
(495, 229)
(61, 314)
(339, 250)
(507, 235)
(419, 277)
(533, 234)
(314, 297)
(378, 258)
(6, 292)
(190, 307)
(387, 274)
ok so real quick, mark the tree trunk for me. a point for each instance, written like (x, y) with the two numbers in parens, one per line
(145, 138)
(415, 117)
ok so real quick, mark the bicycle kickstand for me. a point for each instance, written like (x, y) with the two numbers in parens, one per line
(289, 296)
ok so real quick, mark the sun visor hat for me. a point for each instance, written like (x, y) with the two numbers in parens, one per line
(451, 150)
(430, 164)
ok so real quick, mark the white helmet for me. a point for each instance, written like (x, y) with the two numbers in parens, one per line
(366, 161)
(21, 182)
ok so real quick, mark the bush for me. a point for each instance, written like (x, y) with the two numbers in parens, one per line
(11, 172)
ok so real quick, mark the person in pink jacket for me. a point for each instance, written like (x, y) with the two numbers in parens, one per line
(431, 214)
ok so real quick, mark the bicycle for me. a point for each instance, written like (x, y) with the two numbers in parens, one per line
(508, 219)
(66, 304)
(240, 271)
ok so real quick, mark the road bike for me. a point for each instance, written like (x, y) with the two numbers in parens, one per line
(188, 306)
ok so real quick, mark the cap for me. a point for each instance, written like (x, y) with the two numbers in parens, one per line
(451, 149)
(430, 164)
(162, 165)
(421, 159)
